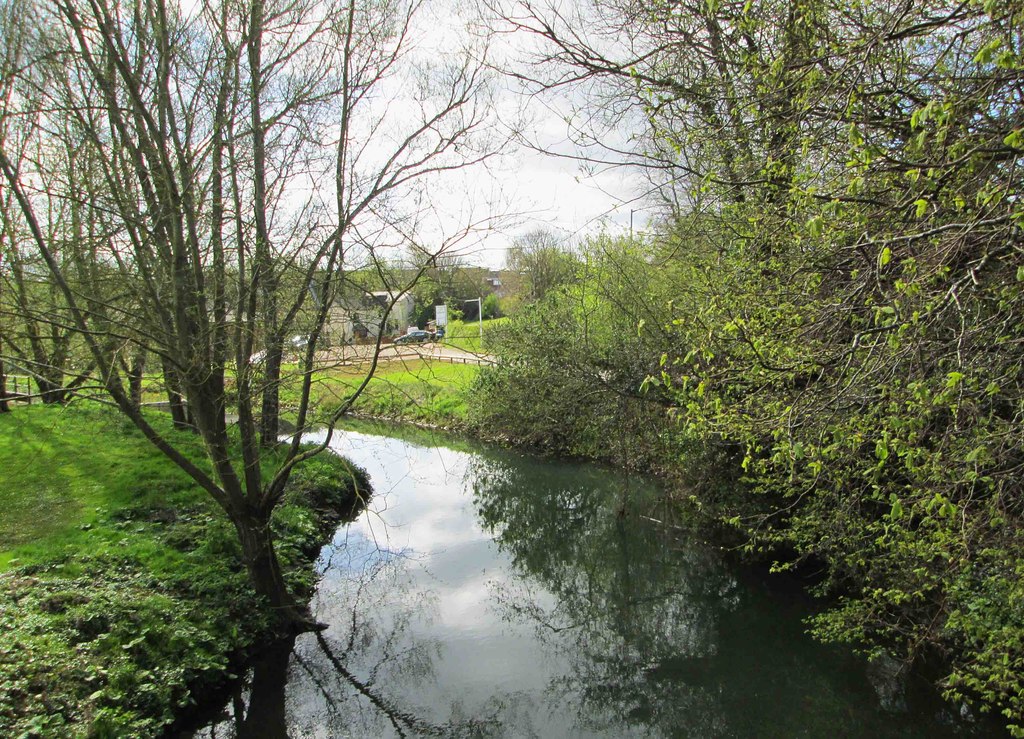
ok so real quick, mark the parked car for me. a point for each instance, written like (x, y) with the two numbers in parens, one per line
(415, 337)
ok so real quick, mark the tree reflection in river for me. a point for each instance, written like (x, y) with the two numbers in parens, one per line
(661, 637)
(545, 604)
(335, 681)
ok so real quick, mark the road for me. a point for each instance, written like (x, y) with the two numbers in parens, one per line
(360, 353)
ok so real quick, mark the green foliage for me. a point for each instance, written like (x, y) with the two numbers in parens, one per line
(572, 369)
(837, 310)
(466, 334)
(118, 651)
(491, 307)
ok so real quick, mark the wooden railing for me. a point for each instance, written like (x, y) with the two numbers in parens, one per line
(20, 389)
(480, 361)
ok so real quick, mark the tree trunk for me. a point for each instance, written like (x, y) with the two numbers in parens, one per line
(174, 398)
(51, 387)
(266, 714)
(135, 373)
(264, 570)
(4, 406)
(271, 409)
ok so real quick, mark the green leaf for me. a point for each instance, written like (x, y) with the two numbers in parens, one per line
(984, 55)
(922, 207)
(885, 257)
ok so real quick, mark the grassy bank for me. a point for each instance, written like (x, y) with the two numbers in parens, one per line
(422, 391)
(123, 596)
(417, 390)
(466, 335)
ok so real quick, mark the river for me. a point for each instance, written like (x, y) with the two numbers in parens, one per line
(485, 592)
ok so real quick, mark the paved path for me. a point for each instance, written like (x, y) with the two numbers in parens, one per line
(359, 353)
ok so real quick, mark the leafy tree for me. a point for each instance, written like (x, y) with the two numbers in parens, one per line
(573, 367)
(843, 188)
(491, 307)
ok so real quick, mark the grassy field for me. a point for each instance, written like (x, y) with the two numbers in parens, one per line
(407, 389)
(122, 593)
(466, 334)
(58, 480)
(415, 389)
(435, 392)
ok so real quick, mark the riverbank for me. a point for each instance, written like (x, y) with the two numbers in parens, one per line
(122, 596)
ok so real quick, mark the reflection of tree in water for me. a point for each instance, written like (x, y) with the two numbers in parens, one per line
(340, 682)
(661, 637)
(621, 607)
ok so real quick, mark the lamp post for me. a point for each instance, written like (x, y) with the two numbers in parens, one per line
(479, 315)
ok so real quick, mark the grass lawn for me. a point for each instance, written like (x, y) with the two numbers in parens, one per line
(63, 468)
(415, 389)
(122, 593)
(435, 392)
(465, 335)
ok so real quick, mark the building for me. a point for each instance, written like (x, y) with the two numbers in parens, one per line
(358, 317)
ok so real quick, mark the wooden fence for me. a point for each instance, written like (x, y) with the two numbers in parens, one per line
(20, 389)
(481, 361)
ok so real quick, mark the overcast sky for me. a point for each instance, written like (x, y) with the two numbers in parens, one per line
(538, 190)
(543, 190)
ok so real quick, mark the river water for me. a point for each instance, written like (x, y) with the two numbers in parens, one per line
(489, 593)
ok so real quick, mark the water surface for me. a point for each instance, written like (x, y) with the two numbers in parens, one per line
(488, 593)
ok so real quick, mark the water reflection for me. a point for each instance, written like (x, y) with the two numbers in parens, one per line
(489, 594)
(353, 679)
(661, 637)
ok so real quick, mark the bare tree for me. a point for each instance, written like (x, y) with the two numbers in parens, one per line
(249, 156)
(542, 260)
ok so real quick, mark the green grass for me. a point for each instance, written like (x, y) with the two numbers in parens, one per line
(465, 335)
(65, 467)
(124, 593)
(433, 392)
(419, 390)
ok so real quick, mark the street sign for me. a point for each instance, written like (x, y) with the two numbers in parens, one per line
(441, 315)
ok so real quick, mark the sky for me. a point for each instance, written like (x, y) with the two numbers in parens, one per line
(545, 191)
(537, 190)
